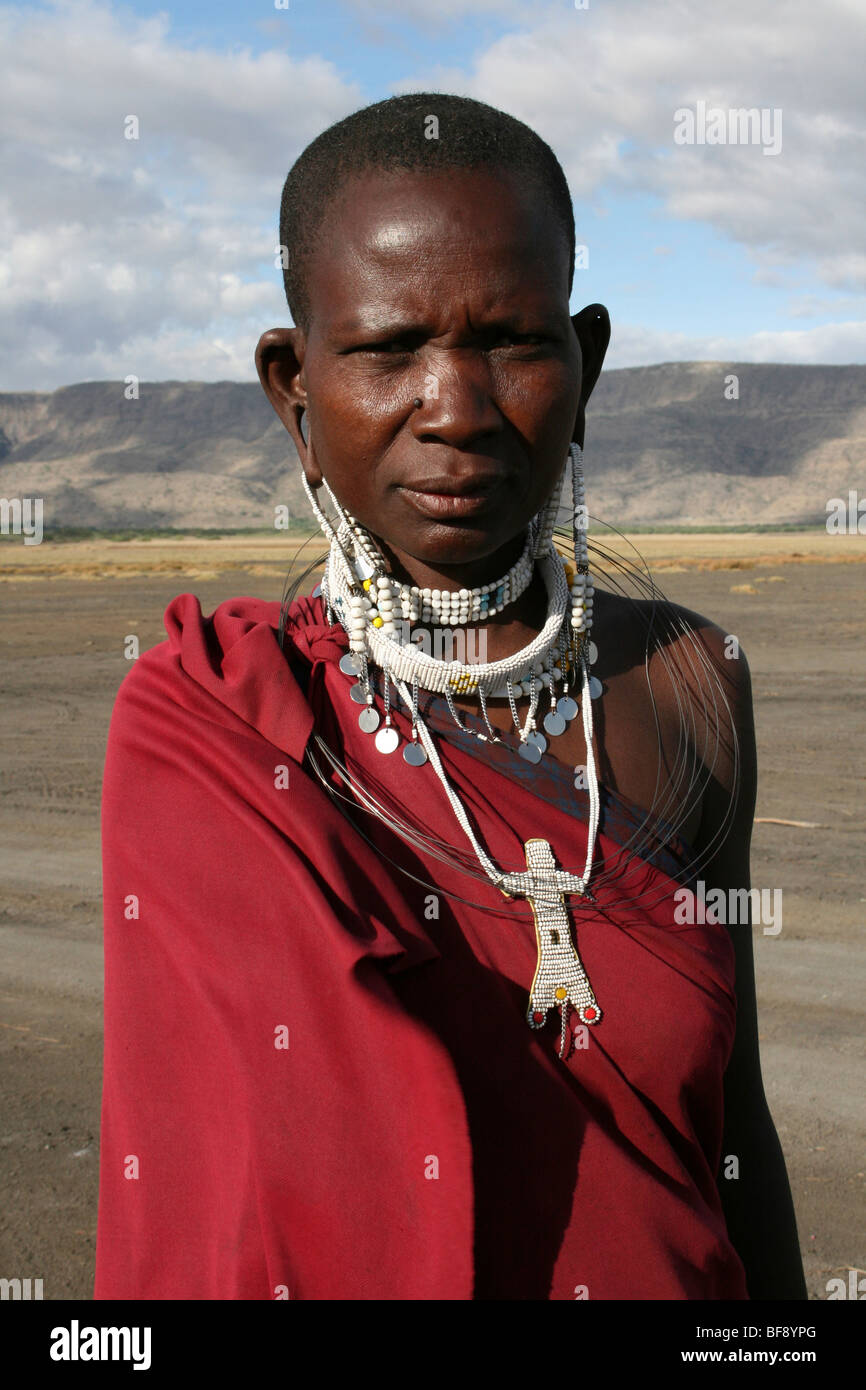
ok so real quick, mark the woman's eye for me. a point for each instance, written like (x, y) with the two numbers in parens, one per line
(396, 347)
(519, 340)
(391, 348)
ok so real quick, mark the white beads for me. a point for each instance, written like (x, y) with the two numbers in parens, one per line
(409, 661)
(456, 607)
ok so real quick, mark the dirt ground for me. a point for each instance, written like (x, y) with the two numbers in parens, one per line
(796, 604)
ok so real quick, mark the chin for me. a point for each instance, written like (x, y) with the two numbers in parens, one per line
(457, 545)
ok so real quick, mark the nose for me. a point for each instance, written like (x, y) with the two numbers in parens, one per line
(457, 401)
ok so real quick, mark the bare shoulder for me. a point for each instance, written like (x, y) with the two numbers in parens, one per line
(664, 637)
(679, 680)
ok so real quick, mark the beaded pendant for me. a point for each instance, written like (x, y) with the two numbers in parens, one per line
(560, 979)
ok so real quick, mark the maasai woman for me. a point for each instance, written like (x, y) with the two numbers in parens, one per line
(408, 992)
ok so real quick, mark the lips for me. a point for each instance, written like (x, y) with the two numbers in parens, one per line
(449, 497)
(471, 485)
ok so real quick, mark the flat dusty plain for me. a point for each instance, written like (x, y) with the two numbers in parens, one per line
(795, 601)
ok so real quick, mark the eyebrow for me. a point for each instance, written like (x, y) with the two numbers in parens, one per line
(383, 329)
(378, 327)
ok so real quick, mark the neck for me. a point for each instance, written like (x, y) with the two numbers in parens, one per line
(468, 575)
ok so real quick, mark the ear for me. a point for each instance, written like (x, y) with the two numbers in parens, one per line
(279, 363)
(592, 326)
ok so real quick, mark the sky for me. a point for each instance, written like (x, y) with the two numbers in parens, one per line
(155, 256)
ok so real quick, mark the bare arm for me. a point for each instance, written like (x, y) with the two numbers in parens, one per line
(757, 1202)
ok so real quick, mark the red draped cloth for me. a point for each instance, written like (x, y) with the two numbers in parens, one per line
(319, 1079)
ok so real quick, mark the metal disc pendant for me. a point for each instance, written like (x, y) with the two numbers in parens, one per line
(595, 687)
(530, 752)
(358, 694)
(591, 653)
(555, 723)
(414, 754)
(387, 739)
(566, 707)
(369, 720)
(348, 664)
(538, 739)
(317, 592)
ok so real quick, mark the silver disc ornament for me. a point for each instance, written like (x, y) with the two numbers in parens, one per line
(530, 752)
(414, 754)
(387, 739)
(555, 723)
(369, 720)
(566, 707)
(349, 664)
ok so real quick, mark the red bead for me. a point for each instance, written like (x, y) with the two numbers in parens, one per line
(538, 1018)
(589, 1012)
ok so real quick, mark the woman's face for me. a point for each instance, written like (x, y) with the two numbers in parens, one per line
(451, 287)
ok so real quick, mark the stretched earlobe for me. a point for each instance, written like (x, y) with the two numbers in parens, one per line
(307, 452)
(592, 326)
(279, 363)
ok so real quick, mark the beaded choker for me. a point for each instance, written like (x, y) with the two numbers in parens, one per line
(443, 607)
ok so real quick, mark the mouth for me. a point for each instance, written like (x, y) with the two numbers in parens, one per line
(443, 498)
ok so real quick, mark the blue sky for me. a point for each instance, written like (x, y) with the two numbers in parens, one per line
(155, 256)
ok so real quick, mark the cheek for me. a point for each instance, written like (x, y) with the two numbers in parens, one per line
(354, 422)
(367, 397)
(539, 398)
(359, 420)
(542, 406)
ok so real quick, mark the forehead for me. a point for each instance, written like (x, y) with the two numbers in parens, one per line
(411, 241)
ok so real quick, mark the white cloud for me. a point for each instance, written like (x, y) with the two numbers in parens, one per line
(156, 256)
(835, 343)
(115, 254)
(602, 85)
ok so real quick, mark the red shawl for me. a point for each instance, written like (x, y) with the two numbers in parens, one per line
(314, 1086)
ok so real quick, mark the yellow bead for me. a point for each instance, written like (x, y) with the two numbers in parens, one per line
(366, 584)
(561, 993)
(377, 622)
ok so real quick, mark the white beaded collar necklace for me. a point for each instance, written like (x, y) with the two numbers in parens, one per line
(444, 607)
